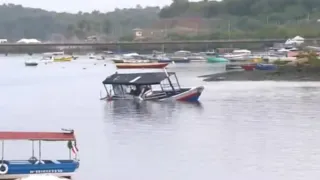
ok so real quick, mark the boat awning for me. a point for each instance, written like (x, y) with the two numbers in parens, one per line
(44, 136)
(137, 78)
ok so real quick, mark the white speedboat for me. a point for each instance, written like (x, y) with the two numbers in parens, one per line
(31, 62)
(92, 56)
(238, 55)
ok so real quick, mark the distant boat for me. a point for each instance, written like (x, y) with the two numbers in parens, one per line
(266, 67)
(61, 53)
(238, 55)
(31, 63)
(62, 59)
(216, 59)
(92, 56)
(248, 67)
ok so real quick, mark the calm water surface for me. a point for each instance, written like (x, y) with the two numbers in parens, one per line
(241, 130)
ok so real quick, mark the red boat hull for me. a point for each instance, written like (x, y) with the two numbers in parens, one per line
(249, 67)
(141, 65)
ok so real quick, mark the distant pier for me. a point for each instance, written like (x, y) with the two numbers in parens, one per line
(140, 45)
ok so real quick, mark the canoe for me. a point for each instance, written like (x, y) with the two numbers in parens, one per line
(216, 59)
(141, 65)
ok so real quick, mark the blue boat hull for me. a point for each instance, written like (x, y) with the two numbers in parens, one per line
(266, 67)
(17, 169)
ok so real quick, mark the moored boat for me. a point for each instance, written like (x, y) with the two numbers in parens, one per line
(140, 65)
(31, 63)
(92, 56)
(151, 86)
(265, 67)
(62, 59)
(238, 55)
(216, 59)
(14, 169)
(248, 67)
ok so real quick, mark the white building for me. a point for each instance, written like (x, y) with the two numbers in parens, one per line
(296, 40)
(3, 40)
(27, 41)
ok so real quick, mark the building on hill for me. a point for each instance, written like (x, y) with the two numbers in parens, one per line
(27, 41)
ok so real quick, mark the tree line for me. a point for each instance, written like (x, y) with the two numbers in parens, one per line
(18, 22)
(250, 18)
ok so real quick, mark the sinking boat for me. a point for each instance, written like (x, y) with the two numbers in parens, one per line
(149, 86)
(141, 65)
(14, 169)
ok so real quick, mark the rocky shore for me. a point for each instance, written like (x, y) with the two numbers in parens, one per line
(285, 73)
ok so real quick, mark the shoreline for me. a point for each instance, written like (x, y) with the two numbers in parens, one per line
(282, 74)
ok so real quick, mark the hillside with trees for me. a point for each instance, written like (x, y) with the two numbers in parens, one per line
(181, 20)
(250, 18)
(18, 22)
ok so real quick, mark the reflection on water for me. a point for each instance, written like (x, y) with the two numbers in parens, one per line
(147, 110)
(241, 130)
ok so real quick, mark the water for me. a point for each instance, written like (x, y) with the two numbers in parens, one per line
(241, 130)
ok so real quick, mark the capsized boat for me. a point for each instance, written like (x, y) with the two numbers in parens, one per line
(141, 65)
(14, 169)
(149, 86)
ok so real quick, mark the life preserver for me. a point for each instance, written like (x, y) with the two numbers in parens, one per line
(5, 170)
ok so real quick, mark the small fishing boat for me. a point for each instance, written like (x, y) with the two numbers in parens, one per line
(14, 169)
(62, 59)
(149, 86)
(31, 63)
(238, 55)
(133, 59)
(178, 57)
(216, 59)
(141, 65)
(266, 67)
(92, 56)
(248, 67)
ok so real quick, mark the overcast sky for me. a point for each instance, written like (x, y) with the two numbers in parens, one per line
(85, 5)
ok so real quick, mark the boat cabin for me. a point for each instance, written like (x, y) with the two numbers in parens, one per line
(148, 86)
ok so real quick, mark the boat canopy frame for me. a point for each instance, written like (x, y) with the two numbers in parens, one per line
(66, 135)
(140, 79)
